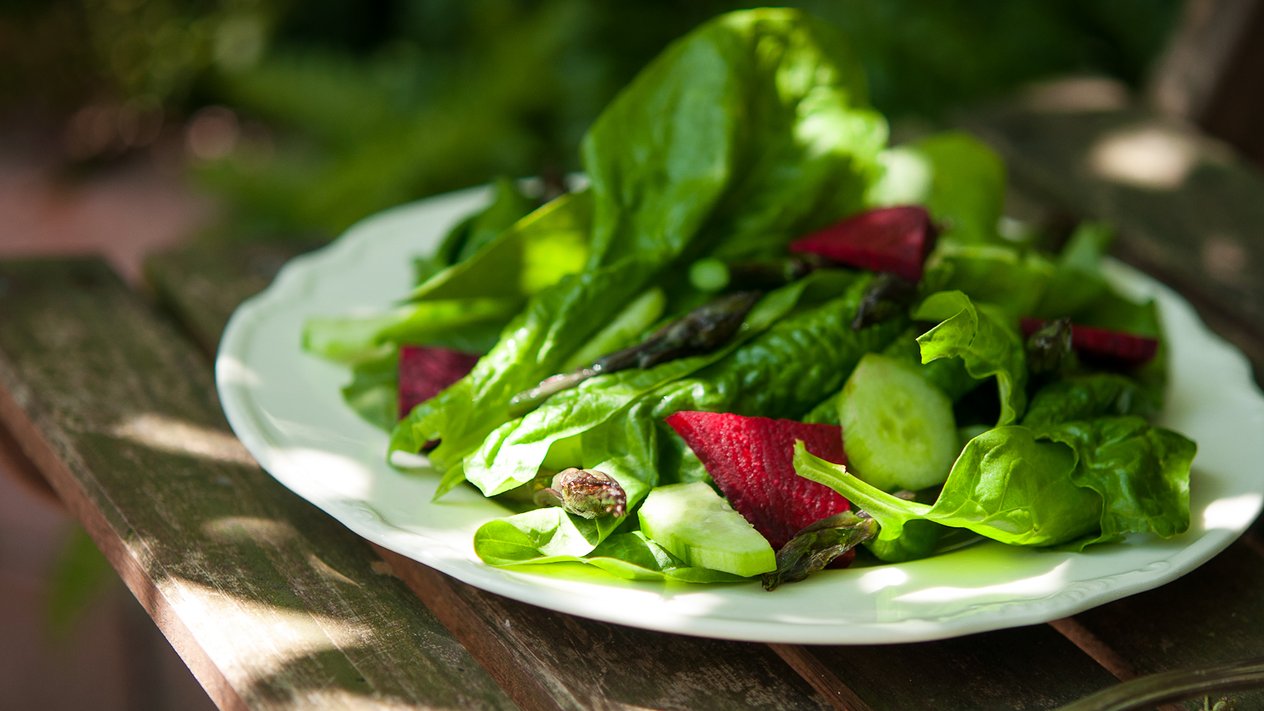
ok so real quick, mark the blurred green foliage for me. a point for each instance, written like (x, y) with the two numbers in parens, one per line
(325, 111)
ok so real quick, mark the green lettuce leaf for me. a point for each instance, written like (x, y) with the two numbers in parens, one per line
(522, 259)
(636, 448)
(748, 132)
(1089, 396)
(734, 140)
(988, 343)
(555, 322)
(959, 179)
(1141, 472)
(1011, 278)
(1072, 484)
(507, 205)
(628, 556)
(1076, 280)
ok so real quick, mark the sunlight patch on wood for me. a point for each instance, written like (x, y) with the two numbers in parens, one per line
(1148, 157)
(168, 434)
(278, 638)
(238, 529)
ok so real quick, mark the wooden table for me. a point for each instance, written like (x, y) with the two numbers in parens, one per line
(106, 393)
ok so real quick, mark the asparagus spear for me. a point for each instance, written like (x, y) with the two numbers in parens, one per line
(702, 330)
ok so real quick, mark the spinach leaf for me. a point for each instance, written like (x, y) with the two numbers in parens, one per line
(988, 343)
(521, 260)
(507, 205)
(744, 134)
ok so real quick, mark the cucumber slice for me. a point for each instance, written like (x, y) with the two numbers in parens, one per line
(698, 526)
(898, 428)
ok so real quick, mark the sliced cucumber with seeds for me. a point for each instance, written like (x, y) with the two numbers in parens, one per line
(898, 428)
(698, 526)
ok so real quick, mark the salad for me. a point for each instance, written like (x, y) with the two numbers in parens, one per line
(761, 341)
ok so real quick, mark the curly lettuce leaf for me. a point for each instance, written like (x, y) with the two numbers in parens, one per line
(988, 343)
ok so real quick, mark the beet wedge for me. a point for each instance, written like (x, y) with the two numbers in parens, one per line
(425, 370)
(1104, 345)
(894, 240)
(751, 460)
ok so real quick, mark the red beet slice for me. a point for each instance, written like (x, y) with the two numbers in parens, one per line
(424, 371)
(1104, 344)
(888, 239)
(751, 460)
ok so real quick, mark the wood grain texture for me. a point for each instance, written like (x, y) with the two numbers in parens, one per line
(271, 603)
(1212, 615)
(1029, 668)
(201, 284)
(546, 659)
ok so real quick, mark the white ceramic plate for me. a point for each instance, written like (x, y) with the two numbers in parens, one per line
(285, 406)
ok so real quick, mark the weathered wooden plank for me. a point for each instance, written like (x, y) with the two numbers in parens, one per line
(541, 658)
(1029, 668)
(271, 603)
(1213, 615)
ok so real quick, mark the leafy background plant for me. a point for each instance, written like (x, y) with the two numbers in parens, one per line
(307, 116)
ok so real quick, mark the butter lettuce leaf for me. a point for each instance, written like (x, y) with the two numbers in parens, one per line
(957, 177)
(1074, 484)
(1141, 472)
(988, 343)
